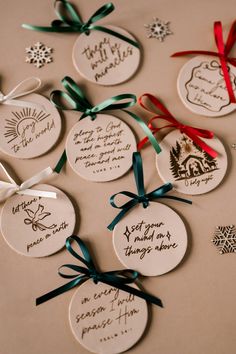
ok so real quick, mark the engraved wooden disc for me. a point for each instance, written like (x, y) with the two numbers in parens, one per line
(105, 59)
(105, 319)
(29, 132)
(151, 240)
(202, 89)
(36, 226)
(188, 167)
(100, 150)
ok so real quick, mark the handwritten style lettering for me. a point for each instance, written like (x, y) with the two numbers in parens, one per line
(144, 238)
(105, 56)
(102, 148)
(207, 88)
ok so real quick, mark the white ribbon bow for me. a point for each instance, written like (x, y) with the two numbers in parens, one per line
(7, 189)
(12, 97)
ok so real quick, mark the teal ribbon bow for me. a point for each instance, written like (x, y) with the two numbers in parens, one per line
(70, 21)
(118, 278)
(78, 102)
(141, 197)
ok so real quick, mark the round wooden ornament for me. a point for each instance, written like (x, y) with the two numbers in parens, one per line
(189, 168)
(100, 150)
(35, 226)
(202, 88)
(105, 319)
(151, 240)
(105, 59)
(30, 130)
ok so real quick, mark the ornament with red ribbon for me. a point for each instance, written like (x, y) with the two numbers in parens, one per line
(195, 134)
(222, 53)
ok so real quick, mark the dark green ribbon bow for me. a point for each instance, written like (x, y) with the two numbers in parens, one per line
(78, 102)
(70, 21)
(141, 197)
(118, 278)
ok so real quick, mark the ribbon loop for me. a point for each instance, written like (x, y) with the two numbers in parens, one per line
(118, 278)
(193, 133)
(20, 90)
(222, 54)
(142, 196)
(71, 21)
(8, 189)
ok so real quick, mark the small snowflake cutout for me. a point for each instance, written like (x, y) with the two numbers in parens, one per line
(225, 239)
(158, 29)
(38, 55)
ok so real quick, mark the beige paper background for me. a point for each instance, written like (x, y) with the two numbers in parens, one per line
(199, 296)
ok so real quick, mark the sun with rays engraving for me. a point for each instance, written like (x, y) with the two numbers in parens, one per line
(23, 122)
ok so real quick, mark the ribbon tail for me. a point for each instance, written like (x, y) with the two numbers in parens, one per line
(61, 162)
(148, 132)
(202, 144)
(193, 52)
(177, 198)
(115, 34)
(55, 29)
(228, 80)
(37, 193)
(20, 103)
(62, 289)
(129, 289)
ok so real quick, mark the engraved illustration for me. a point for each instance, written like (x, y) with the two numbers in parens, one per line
(206, 86)
(187, 160)
(24, 123)
(35, 218)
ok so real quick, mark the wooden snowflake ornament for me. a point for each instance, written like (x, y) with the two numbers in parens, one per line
(158, 29)
(225, 239)
(39, 55)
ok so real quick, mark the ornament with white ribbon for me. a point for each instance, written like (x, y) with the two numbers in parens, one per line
(29, 124)
(31, 220)
(7, 189)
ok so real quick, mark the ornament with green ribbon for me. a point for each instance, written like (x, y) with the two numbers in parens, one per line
(141, 197)
(81, 273)
(70, 22)
(75, 100)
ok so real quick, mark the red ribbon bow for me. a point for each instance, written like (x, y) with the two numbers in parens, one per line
(222, 54)
(193, 133)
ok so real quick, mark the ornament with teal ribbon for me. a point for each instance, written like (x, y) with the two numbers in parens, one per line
(141, 197)
(75, 100)
(70, 21)
(117, 278)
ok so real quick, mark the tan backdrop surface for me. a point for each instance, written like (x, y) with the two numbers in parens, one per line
(199, 296)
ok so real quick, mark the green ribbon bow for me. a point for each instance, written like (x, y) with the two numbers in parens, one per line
(70, 21)
(118, 278)
(141, 197)
(78, 102)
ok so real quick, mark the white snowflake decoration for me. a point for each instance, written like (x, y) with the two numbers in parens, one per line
(225, 239)
(38, 54)
(158, 29)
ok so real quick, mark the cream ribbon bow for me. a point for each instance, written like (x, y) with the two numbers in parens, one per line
(7, 189)
(18, 91)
